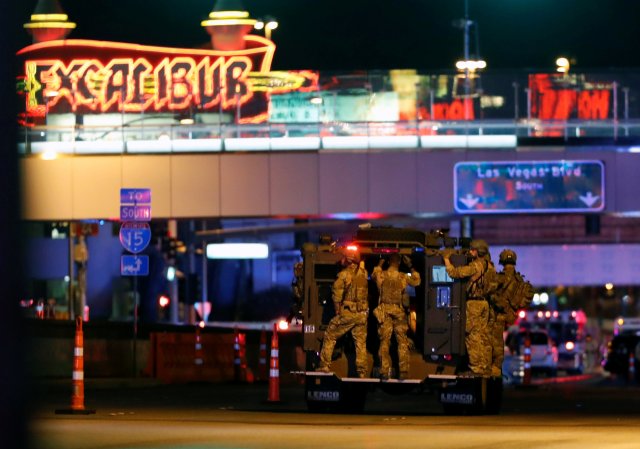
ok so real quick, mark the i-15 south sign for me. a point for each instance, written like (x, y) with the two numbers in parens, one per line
(528, 186)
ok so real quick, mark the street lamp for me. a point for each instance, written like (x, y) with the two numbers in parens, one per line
(471, 65)
(563, 65)
(468, 65)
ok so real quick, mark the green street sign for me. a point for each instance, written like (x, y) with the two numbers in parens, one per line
(528, 187)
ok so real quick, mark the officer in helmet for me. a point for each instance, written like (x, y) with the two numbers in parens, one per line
(501, 314)
(350, 295)
(393, 311)
(477, 306)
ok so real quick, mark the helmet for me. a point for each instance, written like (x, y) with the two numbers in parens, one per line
(508, 256)
(351, 255)
(481, 246)
(394, 259)
(433, 241)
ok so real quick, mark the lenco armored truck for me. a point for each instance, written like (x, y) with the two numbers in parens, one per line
(438, 359)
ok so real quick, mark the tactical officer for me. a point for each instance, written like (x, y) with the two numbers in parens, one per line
(297, 289)
(499, 309)
(392, 312)
(477, 324)
(351, 301)
(502, 313)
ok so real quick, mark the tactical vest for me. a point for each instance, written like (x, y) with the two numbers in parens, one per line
(356, 290)
(392, 288)
(481, 285)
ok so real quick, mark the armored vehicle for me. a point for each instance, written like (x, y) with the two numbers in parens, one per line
(438, 359)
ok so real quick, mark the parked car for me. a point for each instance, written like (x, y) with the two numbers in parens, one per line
(621, 350)
(544, 354)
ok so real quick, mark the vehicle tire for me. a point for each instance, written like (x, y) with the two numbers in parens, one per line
(353, 399)
(456, 410)
(318, 407)
(493, 404)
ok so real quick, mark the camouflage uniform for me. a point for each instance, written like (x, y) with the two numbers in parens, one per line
(392, 316)
(477, 324)
(297, 289)
(501, 313)
(351, 300)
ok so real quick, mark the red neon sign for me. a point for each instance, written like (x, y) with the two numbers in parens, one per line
(558, 97)
(92, 76)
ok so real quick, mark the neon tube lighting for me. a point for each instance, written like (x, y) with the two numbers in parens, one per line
(49, 17)
(50, 25)
(222, 22)
(228, 14)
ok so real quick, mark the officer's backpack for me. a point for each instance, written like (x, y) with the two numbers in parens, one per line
(513, 295)
(522, 292)
(488, 280)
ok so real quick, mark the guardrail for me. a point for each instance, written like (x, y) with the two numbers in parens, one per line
(177, 138)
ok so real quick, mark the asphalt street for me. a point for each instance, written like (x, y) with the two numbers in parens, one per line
(141, 413)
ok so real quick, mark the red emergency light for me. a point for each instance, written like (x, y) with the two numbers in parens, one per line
(164, 301)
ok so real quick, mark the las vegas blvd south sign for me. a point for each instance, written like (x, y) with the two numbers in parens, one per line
(528, 186)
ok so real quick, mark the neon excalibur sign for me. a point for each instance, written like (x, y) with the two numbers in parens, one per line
(94, 76)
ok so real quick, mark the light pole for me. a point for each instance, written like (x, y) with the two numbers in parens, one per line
(468, 66)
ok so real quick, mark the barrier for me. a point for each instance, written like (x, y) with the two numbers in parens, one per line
(173, 357)
(274, 371)
(77, 393)
(262, 360)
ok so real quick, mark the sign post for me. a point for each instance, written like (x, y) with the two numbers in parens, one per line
(529, 187)
(135, 235)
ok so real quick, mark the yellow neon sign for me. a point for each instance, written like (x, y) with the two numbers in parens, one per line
(147, 78)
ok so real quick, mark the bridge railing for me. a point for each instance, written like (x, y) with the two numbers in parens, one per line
(174, 138)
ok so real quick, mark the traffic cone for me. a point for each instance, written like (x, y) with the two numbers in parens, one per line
(198, 359)
(274, 371)
(526, 379)
(238, 373)
(77, 395)
(262, 361)
(40, 310)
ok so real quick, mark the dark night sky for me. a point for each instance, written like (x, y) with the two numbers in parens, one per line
(384, 34)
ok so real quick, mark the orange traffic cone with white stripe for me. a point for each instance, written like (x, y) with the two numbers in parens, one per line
(77, 395)
(238, 369)
(262, 361)
(526, 379)
(274, 371)
(198, 359)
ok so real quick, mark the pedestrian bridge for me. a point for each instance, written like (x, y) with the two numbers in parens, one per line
(136, 138)
(311, 170)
